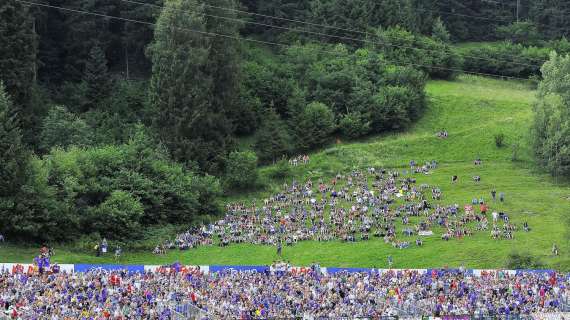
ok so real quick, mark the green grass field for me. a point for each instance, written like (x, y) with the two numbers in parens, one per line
(472, 110)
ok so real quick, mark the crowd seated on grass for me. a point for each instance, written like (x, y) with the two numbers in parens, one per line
(280, 292)
(358, 206)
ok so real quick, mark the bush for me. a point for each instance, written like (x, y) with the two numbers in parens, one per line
(272, 140)
(241, 170)
(499, 140)
(432, 55)
(118, 217)
(113, 191)
(62, 128)
(314, 126)
(516, 148)
(281, 170)
(495, 59)
(519, 32)
(523, 261)
(354, 125)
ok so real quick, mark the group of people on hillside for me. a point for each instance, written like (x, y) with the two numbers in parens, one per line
(442, 134)
(102, 247)
(280, 292)
(358, 206)
(299, 160)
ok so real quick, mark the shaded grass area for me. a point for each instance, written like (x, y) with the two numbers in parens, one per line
(473, 110)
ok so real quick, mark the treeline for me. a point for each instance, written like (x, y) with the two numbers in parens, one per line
(511, 59)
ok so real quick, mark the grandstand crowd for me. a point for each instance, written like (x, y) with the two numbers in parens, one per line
(278, 293)
(374, 203)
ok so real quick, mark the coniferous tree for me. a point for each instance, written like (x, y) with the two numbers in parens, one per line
(180, 86)
(18, 50)
(97, 79)
(194, 83)
(439, 31)
(13, 156)
(272, 140)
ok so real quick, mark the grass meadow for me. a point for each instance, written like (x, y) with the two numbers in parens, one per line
(473, 110)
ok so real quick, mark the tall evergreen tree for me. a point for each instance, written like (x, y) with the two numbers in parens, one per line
(96, 77)
(272, 140)
(181, 87)
(13, 156)
(18, 50)
(439, 31)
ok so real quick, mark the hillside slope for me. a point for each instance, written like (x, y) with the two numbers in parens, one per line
(473, 110)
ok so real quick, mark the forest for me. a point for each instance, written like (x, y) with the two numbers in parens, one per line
(117, 114)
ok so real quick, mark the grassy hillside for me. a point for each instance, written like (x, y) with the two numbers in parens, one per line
(473, 110)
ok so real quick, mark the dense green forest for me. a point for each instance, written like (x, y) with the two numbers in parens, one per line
(117, 114)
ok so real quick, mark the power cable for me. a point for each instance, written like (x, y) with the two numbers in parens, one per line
(336, 36)
(212, 34)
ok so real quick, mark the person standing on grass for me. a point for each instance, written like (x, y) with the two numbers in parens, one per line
(97, 250)
(554, 249)
(279, 248)
(494, 194)
(390, 261)
(118, 252)
(104, 246)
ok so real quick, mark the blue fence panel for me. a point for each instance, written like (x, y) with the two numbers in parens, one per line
(535, 271)
(214, 269)
(441, 272)
(349, 270)
(109, 267)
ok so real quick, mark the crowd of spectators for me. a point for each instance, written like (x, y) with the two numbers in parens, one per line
(358, 206)
(281, 292)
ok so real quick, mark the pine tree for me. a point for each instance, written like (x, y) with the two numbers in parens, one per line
(180, 86)
(97, 79)
(194, 84)
(439, 31)
(272, 140)
(18, 49)
(13, 156)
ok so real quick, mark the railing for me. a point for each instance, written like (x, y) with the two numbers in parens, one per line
(181, 310)
(187, 310)
(565, 303)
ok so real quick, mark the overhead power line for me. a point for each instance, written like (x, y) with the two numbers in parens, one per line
(310, 24)
(213, 34)
(448, 52)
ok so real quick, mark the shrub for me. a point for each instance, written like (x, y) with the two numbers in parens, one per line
(314, 126)
(432, 55)
(62, 128)
(499, 140)
(354, 125)
(494, 59)
(281, 170)
(272, 140)
(523, 261)
(241, 169)
(118, 217)
(519, 32)
(516, 148)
